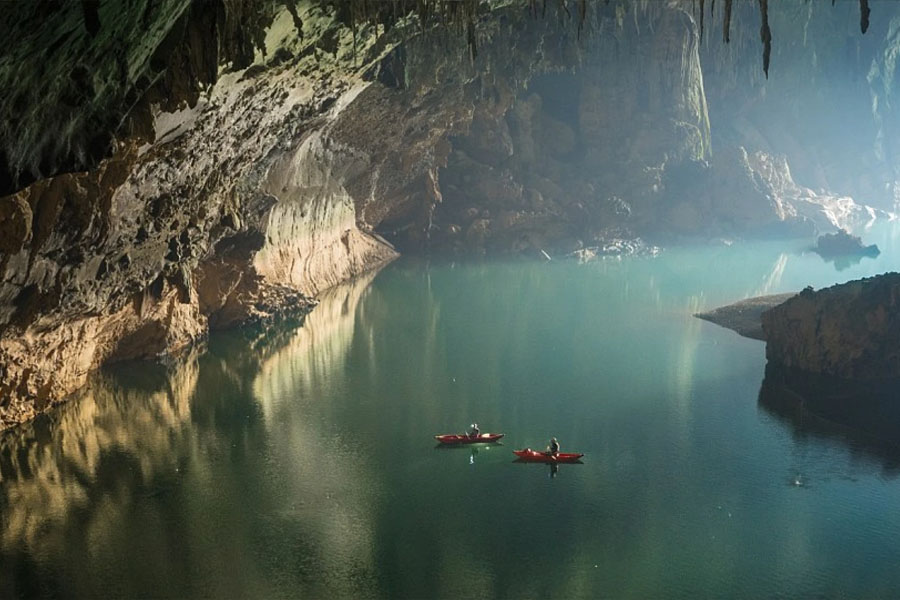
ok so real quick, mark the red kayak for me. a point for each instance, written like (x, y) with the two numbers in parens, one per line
(453, 438)
(529, 455)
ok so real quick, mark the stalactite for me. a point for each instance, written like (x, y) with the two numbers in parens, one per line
(701, 18)
(726, 22)
(765, 34)
(462, 15)
(582, 15)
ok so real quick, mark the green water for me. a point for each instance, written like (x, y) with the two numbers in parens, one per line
(300, 464)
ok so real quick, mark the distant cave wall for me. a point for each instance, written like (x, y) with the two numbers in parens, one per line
(530, 150)
(827, 103)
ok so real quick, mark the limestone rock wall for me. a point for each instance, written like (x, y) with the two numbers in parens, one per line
(579, 152)
(183, 226)
(828, 101)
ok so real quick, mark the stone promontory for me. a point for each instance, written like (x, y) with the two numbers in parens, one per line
(745, 316)
(851, 330)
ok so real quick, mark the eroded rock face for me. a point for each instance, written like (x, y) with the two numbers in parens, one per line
(828, 101)
(247, 191)
(849, 330)
(186, 227)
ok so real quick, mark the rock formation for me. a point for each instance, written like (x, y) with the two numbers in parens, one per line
(745, 316)
(228, 207)
(176, 166)
(843, 249)
(848, 331)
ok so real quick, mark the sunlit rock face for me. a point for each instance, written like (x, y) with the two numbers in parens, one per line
(848, 330)
(739, 193)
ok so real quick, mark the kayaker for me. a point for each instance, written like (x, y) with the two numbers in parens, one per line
(553, 449)
(474, 431)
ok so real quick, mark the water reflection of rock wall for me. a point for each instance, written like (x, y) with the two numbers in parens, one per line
(326, 493)
(862, 416)
(160, 479)
(57, 495)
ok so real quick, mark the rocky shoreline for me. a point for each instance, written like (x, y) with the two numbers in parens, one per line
(850, 331)
(745, 316)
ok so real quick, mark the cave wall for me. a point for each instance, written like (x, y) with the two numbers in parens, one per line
(253, 154)
(827, 103)
(578, 152)
(186, 225)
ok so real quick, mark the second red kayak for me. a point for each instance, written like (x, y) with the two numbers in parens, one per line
(529, 455)
(453, 438)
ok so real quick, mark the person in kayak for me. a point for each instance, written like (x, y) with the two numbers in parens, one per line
(553, 448)
(474, 432)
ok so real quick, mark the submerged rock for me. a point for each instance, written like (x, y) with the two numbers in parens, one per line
(842, 248)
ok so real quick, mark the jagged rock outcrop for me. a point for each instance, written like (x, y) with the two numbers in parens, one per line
(827, 103)
(746, 194)
(850, 330)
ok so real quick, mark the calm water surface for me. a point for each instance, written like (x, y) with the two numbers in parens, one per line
(300, 463)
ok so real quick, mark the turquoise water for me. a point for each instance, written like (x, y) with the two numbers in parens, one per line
(300, 462)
